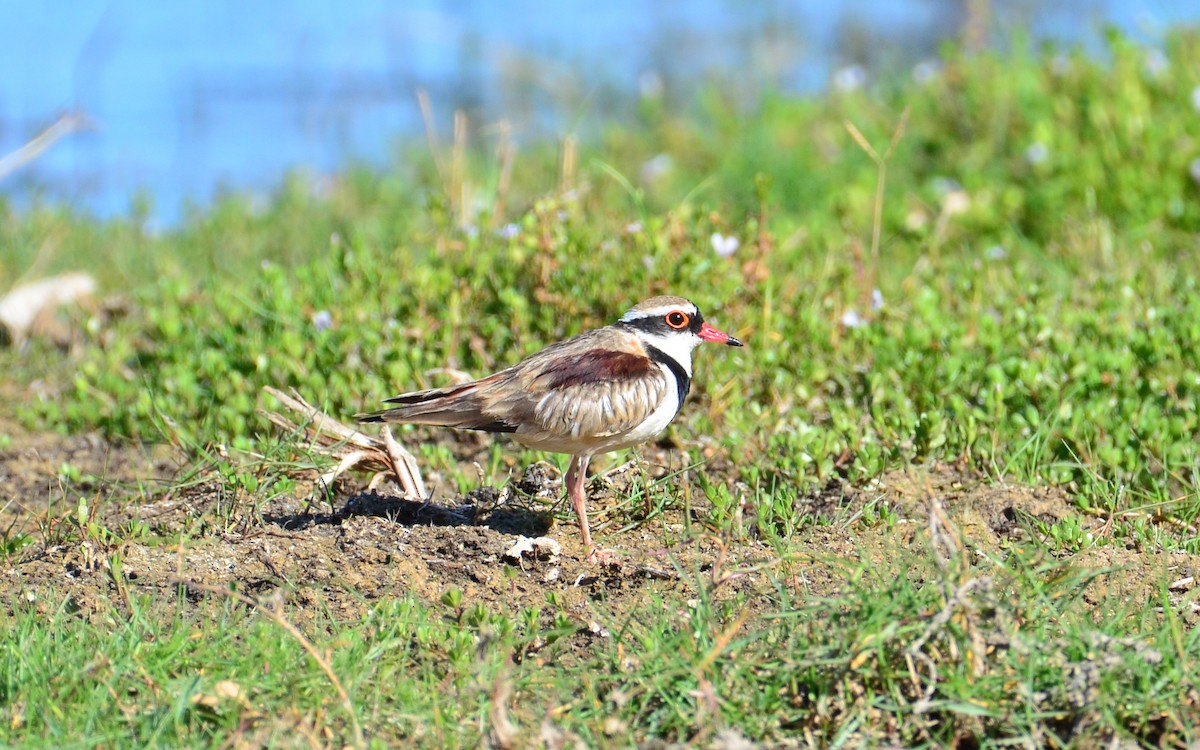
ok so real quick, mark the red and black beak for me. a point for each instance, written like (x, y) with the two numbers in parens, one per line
(708, 333)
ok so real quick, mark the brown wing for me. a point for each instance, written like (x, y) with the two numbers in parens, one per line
(594, 393)
(596, 384)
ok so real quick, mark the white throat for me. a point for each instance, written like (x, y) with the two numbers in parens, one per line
(677, 346)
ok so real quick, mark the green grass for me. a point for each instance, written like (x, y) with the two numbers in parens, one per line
(1037, 343)
(1037, 263)
(945, 651)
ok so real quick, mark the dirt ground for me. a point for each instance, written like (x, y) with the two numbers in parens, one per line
(337, 559)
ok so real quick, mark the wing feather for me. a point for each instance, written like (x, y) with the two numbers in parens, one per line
(463, 406)
(591, 386)
(597, 393)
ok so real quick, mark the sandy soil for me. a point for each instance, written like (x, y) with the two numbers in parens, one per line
(340, 557)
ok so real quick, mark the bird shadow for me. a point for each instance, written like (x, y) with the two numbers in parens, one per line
(480, 507)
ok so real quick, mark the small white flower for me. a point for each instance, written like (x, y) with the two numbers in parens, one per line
(926, 70)
(508, 231)
(633, 227)
(258, 203)
(657, 168)
(955, 202)
(1036, 153)
(1156, 64)
(876, 300)
(851, 319)
(650, 85)
(152, 228)
(724, 246)
(850, 78)
(944, 185)
(322, 320)
(996, 252)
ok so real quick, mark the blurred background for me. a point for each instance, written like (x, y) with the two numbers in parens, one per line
(168, 104)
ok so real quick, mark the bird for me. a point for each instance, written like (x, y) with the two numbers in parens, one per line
(599, 391)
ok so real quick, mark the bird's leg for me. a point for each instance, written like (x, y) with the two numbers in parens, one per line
(576, 482)
(576, 479)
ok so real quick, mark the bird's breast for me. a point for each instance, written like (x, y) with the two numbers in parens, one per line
(610, 419)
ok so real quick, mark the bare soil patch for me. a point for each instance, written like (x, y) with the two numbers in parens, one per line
(372, 545)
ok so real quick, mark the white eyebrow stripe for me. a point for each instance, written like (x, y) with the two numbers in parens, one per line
(656, 312)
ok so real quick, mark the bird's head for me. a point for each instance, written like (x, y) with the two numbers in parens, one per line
(673, 325)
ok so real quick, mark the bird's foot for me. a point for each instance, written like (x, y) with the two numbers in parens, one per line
(604, 557)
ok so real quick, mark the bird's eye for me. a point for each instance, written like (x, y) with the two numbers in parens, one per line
(677, 319)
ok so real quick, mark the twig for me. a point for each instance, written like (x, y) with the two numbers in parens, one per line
(458, 167)
(410, 476)
(1139, 514)
(352, 448)
(722, 643)
(569, 159)
(941, 618)
(881, 161)
(506, 154)
(943, 536)
(503, 730)
(61, 127)
(923, 704)
(317, 418)
(431, 131)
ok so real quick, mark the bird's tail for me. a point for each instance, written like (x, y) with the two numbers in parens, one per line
(460, 406)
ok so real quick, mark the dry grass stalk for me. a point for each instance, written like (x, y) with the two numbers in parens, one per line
(64, 125)
(353, 449)
(270, 606)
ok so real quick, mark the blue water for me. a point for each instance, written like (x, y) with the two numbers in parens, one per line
(189, 97)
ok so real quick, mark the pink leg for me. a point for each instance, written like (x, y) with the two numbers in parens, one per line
(576, 478)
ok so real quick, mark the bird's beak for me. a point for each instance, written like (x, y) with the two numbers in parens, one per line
(708, 333)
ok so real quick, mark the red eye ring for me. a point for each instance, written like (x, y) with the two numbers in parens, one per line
(678, 320)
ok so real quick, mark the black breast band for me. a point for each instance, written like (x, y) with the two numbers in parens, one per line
(683, 381)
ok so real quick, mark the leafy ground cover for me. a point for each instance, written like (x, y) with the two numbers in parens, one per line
(947, 494)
